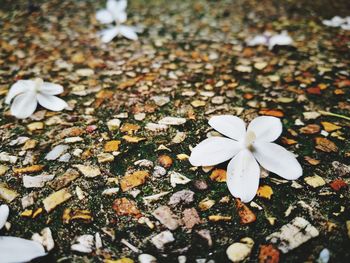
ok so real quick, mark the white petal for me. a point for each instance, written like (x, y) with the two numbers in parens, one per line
(278, 160)
(104, 16)
(117, 8)
(266, 128)
(213, 151)
(19, 87)
(257, 40)
(14, 249)
(282, 39)
(128, 32)
(24, 105)
(4, 213)
(243, 174)
(230, 126)
(51, 88)
(108, 34)
(51, 102)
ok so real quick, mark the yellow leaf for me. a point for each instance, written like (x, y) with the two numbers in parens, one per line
(265, 191)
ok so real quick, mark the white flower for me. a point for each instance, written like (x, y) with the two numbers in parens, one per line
(14, 249)
(269, 40)
(115, 12)
(26, 95)
(246, 147)
(338, 21)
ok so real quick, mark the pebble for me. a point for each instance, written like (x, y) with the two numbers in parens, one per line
(56, 198)
(146, 258)
(45, 238)
(166, 217)
(36, 181)
(315, 181)
(7, 158)
(179, 137)
(172, 121)
(113, 124)
(159, 171)
(324, 256)
(3, 169)
(155, 127)
(177, 178)
(84, 244)
(160, 100)
(293, 234)
(162, 239)
(239, 251)
(183, 197)
(88, 170)
(56, 152)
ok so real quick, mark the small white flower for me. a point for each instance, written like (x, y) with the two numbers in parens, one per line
(26, 95)
(115, 12)
(246, 147)
(338, 21)
(15, 249)
(269, 40)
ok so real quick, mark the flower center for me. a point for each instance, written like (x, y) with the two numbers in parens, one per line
(38, 82)
(249, 140)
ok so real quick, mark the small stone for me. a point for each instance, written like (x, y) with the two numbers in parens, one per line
(217, 218)
(183, 197)
(6, 193)
(198, 103)
(269, 254)
(159, 171)
(88, 170)
(190, 218)
(165, 161)
(144, 163)
(310, 129)
(293, 234)
(218, 100)
(160, 100)
(200, 184)
(110, 191)
(140, 116)
(85, 72)
(177, 178)
(105, 158)
(146, 258)
(324, 256)
(162, 239)
(205, 233)
(315, 181)
(130, 181)
(206, 204)
(63, 180)
(179, 137)
(113, 124)
(36, 181)
(34, 126)
(172, 121)
(342, 169)
(166, 217)
(45, 238)
(83, 244)
(55, 199)
(155, 127)
(239, 251)
(260, 65)
(125, 207)
(7, 158)
(56, 152)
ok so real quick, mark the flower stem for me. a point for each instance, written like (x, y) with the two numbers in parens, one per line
(326, 113)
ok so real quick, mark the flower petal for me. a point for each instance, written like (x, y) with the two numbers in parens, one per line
(128, 32)
(104, 16)
(230, 126)
(19, 87)
(14, 249)
(4, 213)
(49, 88)
(51, 102)
(24, 105)
(213, 151)
(266, 128)
(243, 174)
(117, 8)
(108, 34)
(278, 160)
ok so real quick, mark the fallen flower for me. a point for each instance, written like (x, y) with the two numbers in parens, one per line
(267, 39)
(115, 12)
(26, 95)
(245, 147)
(10, 246)
(338, 21)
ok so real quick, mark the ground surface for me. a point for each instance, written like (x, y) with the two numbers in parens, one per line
(193, 55)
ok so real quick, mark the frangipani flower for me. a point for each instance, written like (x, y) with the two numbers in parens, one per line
(26, 95)
(269, 40)
(14, 249)
(115, 12)
(246, 148)
(338, 21)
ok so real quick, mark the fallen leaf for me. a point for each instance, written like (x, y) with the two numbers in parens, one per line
(246, 215)
(325, 145)
(130, 181)
(265, 191)
(125, 207)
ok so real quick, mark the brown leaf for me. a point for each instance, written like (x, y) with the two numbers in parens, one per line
(125, 207)
(165, 161)
(338, 184)
(132, 180)
(310, 129)
(112, 146)
(271, 112)
(218, 175)
(325, 145)
(265, 191)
